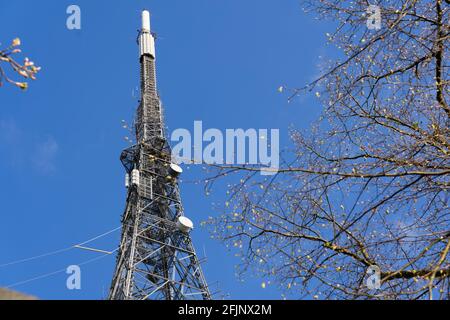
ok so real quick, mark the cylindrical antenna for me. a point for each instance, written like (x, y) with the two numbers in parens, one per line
(146, 20)
(146, 40)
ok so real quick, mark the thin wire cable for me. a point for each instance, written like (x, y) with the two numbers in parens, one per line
(46, 275)
(98, 237)
(57, 251)
(35, 278)
(36, 257)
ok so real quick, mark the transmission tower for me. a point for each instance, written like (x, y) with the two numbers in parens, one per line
(156, 259)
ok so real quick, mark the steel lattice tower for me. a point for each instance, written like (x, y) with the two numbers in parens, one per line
(156, 259)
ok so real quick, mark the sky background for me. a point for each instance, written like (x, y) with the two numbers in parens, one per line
(61, 181)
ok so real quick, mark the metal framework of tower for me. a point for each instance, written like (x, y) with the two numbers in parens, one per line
(156, 259)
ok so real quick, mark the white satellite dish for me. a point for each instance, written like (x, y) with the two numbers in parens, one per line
(175, 170)
(185, 224)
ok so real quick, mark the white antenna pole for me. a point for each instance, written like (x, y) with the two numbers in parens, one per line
(146, 40)
(146, 20)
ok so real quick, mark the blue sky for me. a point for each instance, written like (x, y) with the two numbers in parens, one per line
(61, 181)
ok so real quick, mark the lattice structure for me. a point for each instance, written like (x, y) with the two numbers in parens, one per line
(156, 259)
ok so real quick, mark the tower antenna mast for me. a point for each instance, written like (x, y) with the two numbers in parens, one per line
(156, 259)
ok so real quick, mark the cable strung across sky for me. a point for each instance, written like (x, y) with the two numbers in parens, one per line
(62, 250)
